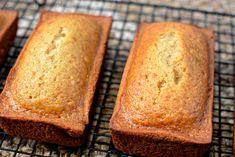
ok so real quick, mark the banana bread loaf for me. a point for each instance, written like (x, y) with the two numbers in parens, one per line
(164, 104)
(49, 91)
(8, 28)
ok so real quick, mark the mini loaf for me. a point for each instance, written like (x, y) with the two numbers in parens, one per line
(8, 28)
(164, 104)
(49, 91)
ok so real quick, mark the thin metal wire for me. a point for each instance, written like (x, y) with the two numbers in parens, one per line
(115, 59)
(40, 3)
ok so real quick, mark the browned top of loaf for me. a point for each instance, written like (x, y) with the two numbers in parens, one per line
(53, 74)
(166, 85)
(54, 78)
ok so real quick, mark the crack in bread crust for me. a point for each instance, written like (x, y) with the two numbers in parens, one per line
(58, 54)
(167, 85)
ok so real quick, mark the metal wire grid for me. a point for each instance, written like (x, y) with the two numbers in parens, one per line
(126, 17)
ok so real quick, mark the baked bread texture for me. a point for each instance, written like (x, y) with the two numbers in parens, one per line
(164, 104)
(8, 28)
(49, 91)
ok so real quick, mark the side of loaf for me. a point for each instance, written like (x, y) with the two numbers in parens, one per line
(164, 104)
(8, 28)
(49, 91)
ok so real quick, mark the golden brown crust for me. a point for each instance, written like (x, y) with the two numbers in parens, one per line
(8, 28)
(52, 68)
(68, 125)
(152, 133)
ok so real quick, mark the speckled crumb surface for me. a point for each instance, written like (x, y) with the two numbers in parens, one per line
(126, 18)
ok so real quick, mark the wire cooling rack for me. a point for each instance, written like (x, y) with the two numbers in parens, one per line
(126, 17)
